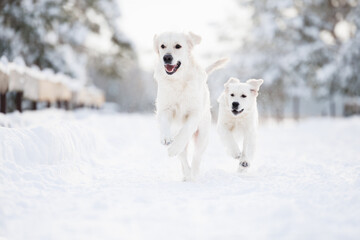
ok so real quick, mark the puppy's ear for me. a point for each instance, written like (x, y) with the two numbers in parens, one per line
(193, 39)
(231, 81)
(155, 44)
(255, 83)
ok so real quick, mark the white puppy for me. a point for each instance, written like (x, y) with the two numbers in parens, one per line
(238, 118)
(183, 102)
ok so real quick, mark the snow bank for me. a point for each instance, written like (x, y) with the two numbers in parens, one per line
(99, 175)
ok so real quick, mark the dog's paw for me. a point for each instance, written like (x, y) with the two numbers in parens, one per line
(173, 150)
(166, 141)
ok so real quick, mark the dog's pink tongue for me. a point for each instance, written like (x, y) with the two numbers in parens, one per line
(169, 67)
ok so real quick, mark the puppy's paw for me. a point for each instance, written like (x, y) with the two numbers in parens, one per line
(244, 164)
(236, 155)
(166, 141)
(188, 179)
(194, 173)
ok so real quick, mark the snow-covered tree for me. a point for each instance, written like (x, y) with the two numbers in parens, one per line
(348, 70)
(80, 38)
(294, 46)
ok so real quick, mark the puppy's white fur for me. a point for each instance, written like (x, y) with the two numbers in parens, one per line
(239, 123)
(183, 101)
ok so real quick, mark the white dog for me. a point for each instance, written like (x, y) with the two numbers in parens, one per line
(183, 102)
(238, 118)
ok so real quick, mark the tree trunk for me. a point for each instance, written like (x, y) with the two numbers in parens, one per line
(279, 114)
(332, 109)
(66, 105)
(33, 105)
(58, 104)
(18, 101)
(3, 102)
(48, 104)
(296, 108)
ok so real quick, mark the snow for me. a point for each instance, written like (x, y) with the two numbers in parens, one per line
(103, 175)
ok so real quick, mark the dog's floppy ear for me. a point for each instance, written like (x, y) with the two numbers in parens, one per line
(155, 42)
(230, 81)
(193, 39)
(255, 83)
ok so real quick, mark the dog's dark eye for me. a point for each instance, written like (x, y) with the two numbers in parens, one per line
(177, 46)
(162, 46)
(232, 95)
(243, 96)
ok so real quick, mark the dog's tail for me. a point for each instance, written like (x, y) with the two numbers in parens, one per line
(216, 65)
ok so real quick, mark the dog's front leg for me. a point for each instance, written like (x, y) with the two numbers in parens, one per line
(229, 141)
(249, 147)
(183, 137)
(185, 165)
(164, 118)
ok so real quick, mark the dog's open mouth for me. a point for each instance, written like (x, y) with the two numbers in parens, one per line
(171, 69)
(236, 112)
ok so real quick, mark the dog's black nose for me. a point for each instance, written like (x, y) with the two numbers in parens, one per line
(168, 58)
(235, 105)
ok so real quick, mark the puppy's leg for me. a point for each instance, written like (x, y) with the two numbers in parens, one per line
(184, 135)
(185, 165)
(201, 139)
(249, 147)
(229, 141)
(164, 118)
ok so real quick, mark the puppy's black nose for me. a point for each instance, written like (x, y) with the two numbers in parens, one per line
(235, 105)
(168, 58)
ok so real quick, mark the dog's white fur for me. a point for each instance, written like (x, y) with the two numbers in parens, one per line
(236, 125)
(183, 101)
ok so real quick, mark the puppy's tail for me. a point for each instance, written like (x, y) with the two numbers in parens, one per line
(216, 65)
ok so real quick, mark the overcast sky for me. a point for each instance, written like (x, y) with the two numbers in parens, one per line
(141, 19)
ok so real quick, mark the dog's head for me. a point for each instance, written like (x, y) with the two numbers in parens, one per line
(174, 49)
(241, 97)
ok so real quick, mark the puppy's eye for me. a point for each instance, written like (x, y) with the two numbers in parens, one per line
(162, 46)
(243, 96)
(177, 46)
(233, 95)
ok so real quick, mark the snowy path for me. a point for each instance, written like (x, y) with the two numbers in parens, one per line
(84, 175)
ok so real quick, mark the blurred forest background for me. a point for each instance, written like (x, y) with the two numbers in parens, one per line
(307, 51)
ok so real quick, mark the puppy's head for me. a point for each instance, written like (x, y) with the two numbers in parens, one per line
(241, 97)
(174, 49)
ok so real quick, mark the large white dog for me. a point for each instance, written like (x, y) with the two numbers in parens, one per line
(183, 102)
(238, 118)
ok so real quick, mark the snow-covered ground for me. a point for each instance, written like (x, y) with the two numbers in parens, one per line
(86, 175)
